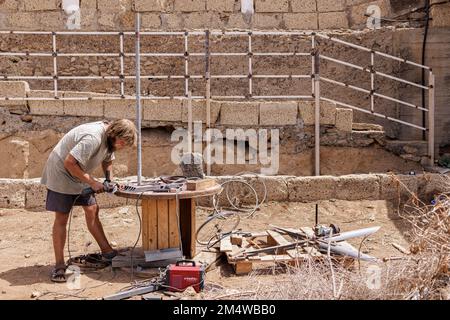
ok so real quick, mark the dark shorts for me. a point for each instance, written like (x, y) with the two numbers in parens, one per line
(61, 202)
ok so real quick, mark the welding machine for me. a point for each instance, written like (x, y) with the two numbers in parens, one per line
(185, 274)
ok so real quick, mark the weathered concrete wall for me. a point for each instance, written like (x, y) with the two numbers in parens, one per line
(29, 194)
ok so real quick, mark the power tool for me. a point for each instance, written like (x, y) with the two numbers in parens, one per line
(185, 274)
(108, 187)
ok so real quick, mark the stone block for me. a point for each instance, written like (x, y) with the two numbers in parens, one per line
(398, 188)
(327, 5)
(24, 21)
(151, 21)
(162, 110)
(106, 20)
(327, 113)
(239, 113)
(15, 152)
(9, 5)
(271, 6)
(238, 21)
(45, 107)
(88, 4)
(312, 188)
(303, 5)
(190, 5)
(300, 21)
(358, 187)
(276, 186)
(36, 194)
(344, 119)
(306, 111)
(199, 111)
(278, 114)
(172, 21)
(357, 12)
(266, 20)
(14, 89)
(120, 109)
(40, 5)
(220, 5)
(152, 5)
(85, 108)
(12, 193)
(440, 15)
(200, 20)
(51, 20)
(115, 6)
(333, 20)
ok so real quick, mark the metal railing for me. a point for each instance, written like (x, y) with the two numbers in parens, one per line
(207, 54)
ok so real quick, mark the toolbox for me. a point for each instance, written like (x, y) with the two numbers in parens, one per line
(185, 274)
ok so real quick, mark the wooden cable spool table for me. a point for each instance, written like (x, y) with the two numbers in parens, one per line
(160, 228)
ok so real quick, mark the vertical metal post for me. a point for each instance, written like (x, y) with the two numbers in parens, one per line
(431, 111)
(186, 64)
(208, 102)
(313, 72)
(317, 112)
(122, 56)
(138, 98)
(190, 122)
(55, 65)
(372, 82)
(250, 65)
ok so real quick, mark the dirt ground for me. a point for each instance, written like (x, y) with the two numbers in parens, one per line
(26, 252)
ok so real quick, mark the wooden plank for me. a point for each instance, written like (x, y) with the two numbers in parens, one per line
(225, 245)
(196, 185)
(145, 223)
(163, 224)
(277, 238)
(276, 258)
(236, 240)
(163, 254)
(313, 252)
(174, 236)
(308, 231)
(152, 225)
(297, 254)
(243, 267)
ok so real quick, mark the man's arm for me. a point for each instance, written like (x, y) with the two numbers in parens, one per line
(71, 164)
(107, 170)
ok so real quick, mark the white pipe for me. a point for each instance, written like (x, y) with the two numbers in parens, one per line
(138, 99)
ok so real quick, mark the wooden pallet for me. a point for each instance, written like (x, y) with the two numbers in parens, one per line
(251, 252)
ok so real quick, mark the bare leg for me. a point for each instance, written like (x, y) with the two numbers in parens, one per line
(59, 236)
(95, 227)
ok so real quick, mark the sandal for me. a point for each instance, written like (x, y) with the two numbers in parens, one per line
(59, 274)
(92, 261)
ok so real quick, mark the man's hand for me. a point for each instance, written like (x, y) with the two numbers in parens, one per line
(98, 187)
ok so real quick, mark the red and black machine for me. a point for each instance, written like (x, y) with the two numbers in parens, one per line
(185, 274)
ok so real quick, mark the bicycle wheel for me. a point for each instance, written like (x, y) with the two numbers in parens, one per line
(218, 223)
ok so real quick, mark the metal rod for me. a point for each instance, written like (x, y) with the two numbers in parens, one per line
(122, 57)
(317, 112)
(374, 113)
(282, 76)
(250, 67)
(431, 106)
(88, 54)
(260, 33)
(25, 54)
(55, 65)
(313, 72)
(138, 99)
(208, 102)
(186, 64)
(372, 82)
(190, 133)
(282, 97)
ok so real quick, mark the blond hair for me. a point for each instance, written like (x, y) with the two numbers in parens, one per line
(123, 129)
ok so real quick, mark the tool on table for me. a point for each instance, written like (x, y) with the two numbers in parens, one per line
(108, 187)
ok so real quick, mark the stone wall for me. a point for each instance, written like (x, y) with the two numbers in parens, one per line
(213, 14)
(30, 194)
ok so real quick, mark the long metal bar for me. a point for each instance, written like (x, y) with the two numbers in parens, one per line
(374, 113)
(186, 64)
(55, 65)
(348, 64)
(260, 33)
(317, 113)
(431, 106)
(283, 97)
(208, 102)
(342, 84)
(138, 98)
(122, 66)
(372, 82)
(26, 54)
(250, 66)
(313, 72)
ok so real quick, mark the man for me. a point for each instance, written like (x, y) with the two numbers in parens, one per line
(68, 172)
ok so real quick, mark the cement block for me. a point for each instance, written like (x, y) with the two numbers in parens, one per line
(107, 19)
(199, 111)
(162, 110)
(300, 21)
(271, 6)
(24, 21)
(358, 187)
(276, 186)
(15, 152)
(303, 5)
(432, 185)
(41, 5)
(90, 4)
(12, 193)
(306, 112)
(440, 15)
(36, 194)
(151, 21)
(344, 119)
(116, 6)
(151, 5)
(120, 109)
(399, 187)
(220, 5)
(327, 113)
(14, 89)
(238, 21)
(279, 114)
(333, 20)
(85, 108)
(52, 20)
(172, 21)
(327, 5)
(45, 107)
(312, 188)
(190, 5)
(199, 20)
(266, 21)
(239, 113)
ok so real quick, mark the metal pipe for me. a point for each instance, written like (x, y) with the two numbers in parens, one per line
(372, 82)
(208, 102)
(55, 65)
(317, 112)
(283, 97)
(186, 64)
(122, 68)
(283, 76)
(431, 113)
(250, 67)
(138, 99)
(26, 54)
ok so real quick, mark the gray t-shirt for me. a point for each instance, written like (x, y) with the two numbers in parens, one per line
(88, 145)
